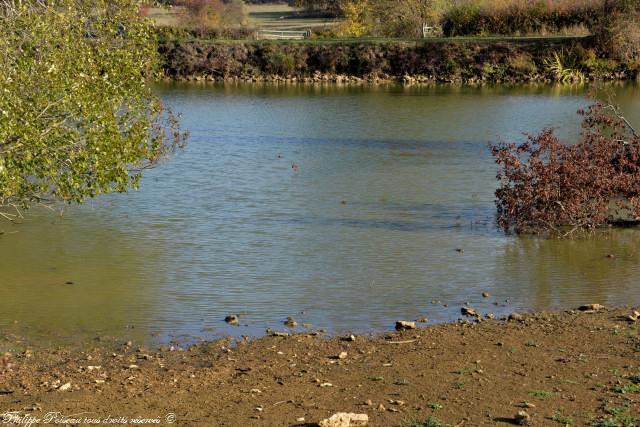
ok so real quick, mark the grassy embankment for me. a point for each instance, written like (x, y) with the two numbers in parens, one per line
(467, 60)
(218, 54)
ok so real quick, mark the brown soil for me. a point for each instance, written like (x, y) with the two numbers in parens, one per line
(583, 366)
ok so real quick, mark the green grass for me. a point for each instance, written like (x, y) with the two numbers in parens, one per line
(619, 417)
(429, 422)
(619, 421)
(540, 394)
(626, 388)
(616, 411)
(435, 406)
(605, 423)
(562, 419)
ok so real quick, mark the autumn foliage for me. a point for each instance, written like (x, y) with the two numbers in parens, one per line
(548, 186)
(201, 13)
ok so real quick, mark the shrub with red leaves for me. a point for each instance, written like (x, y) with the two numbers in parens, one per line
(548, 186)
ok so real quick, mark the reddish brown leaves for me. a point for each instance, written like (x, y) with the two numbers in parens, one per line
(546, 185)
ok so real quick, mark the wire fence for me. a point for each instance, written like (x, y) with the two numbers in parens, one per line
(282, 34)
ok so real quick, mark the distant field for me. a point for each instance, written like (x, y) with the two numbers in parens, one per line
(273, 17)
(281, 17)
(269, 19)
(271, 8)
(162, 16)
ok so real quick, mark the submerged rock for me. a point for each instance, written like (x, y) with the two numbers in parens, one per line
(591, 307)
(231, 319)
(516, 317)
(634, 316)
(403, 324)
(468, 311)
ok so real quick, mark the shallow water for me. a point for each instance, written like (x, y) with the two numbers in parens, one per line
(229, 226)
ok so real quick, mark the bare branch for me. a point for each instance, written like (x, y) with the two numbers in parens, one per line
(616, 111)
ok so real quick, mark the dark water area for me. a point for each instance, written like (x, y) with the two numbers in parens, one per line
(342, 206)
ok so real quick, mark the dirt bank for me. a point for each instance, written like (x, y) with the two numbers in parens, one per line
(569, 368)
(473, 61)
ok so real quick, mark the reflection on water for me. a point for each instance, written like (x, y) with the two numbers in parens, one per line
(341, 206)
(63, 277)
(585, 270)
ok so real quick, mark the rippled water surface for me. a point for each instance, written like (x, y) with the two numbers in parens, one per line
(340, 206)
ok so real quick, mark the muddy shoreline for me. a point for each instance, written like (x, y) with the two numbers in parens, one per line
(563, 368)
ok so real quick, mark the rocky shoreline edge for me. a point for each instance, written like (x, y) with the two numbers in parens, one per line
(381, 79)
(384, 79)
(579, 367)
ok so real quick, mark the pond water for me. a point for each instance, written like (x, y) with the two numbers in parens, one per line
(343, 207)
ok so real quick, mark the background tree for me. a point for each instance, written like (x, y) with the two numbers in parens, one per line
(77, 117)
(389, 18)
(235, 13)
(405, 18)
(201, 13)
(356, 16)
(618, 33)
